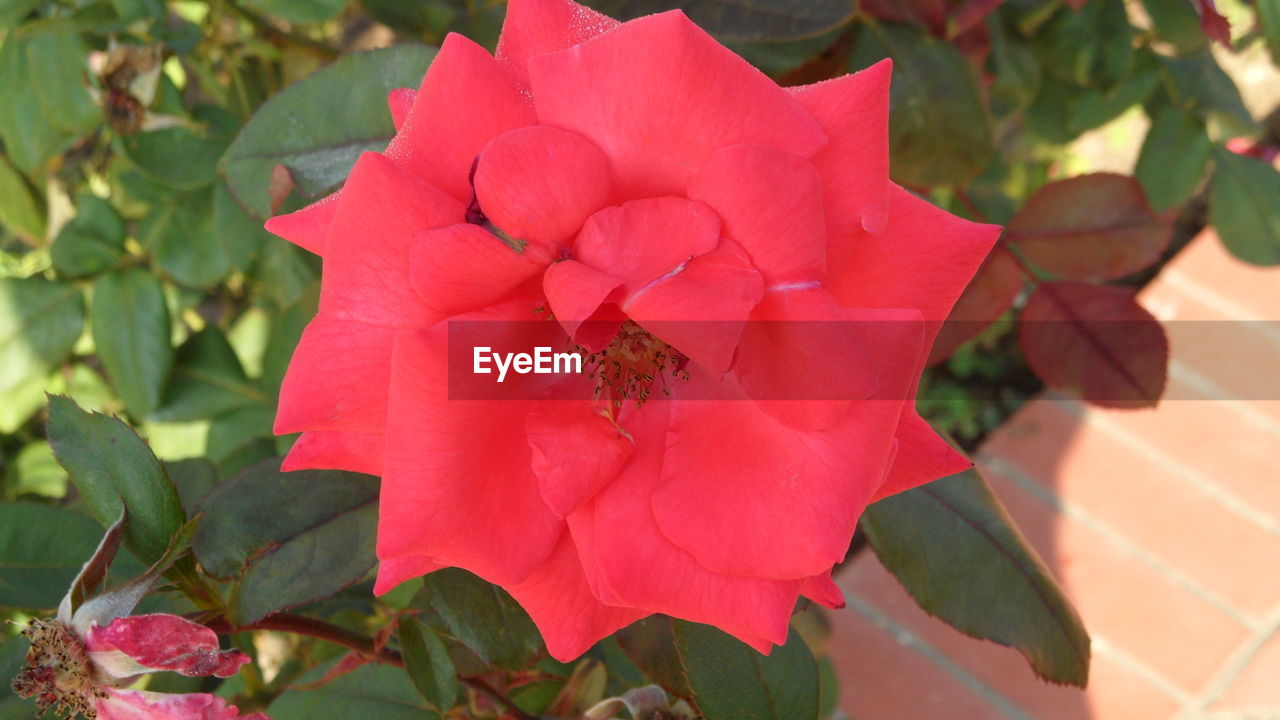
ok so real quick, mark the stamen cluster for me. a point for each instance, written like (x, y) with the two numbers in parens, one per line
(58, 674)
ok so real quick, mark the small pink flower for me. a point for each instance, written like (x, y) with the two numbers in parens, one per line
(81, 661)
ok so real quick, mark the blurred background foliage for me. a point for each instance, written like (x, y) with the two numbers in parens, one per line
(143, 142)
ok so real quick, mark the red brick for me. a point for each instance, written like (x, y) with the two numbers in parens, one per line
(1145, 502)
(1114, 691)
(1236, 355)
(881, 679)
(1258, 685)
(1141, 611)
(1206, 263)
(1218, 442)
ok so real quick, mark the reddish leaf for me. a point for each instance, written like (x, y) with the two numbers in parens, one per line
(1091, 227)
(1096, 341)
(991, 292)
(1212, 22)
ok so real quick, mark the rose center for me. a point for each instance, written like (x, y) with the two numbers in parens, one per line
(628, 369)
(58, 674)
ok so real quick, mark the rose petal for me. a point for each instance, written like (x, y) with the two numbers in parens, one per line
(630, 563)
(465, 267)
(922, 456)
(803, 353)
(770, 203)
(336, 450)
(537, 27)
(576, 450)
(641, 240)
(823, 590)
(700, 307)
(366, 274)
(400, 102)
(139, 705)
(466, 99)
(922, 260)
(853, 111)
(137, 644)
(574, 293)
(307, 227)
(338, 378)
(748, 495)
(540, 184)
(457, 482)
(561, 604)
(658, 95)
(396, 570)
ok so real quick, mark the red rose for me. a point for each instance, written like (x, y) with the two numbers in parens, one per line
(694, 229)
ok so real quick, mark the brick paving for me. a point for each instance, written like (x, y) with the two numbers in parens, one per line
(1163, 527)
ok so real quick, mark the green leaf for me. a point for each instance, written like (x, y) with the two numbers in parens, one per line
(40, 322)
(207, 380)
(179, 233)
(300, 11)
(1174, 156)
(297, 536)
(92, 242)
(1198, 83)
(1269, 21)
(651, 644)
(236, 232)
(732, 21)
(1177, 23)
(285, 272)
(20, 211)
(939, 129)
(181, 157)
(194, 478)
(30, 138)
(110, 464)
(1243, 207)
(13, 12)
(131, 332)
(56, 59)
(731, 681)
(370, 691)
(953, 547)
(321, 145)
(41, 549)
(1091, 47)
(428, 664)
(483, 617)
(241, 438)
(35, 471)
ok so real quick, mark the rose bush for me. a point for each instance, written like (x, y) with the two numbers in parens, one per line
(755, 297)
